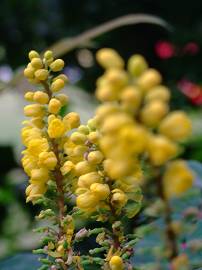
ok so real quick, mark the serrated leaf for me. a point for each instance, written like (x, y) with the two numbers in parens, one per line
(132, 208)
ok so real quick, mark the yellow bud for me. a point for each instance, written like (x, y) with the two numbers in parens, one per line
(153, 112)
(29, 72)
(109, 58)
(101, 191)
(83, 167)
(48, 55)
(41, 97)
(117, 78)
(72, 119)
(86, 180)
(78, 138)
(62, 77)
(92, 123)
(34, 191)
(177, 126)
(149, 78)
(39, 175)
(36, 63)
(116, 263)
(57, 65)
(54, 106)
(137, 65)
(67, 167)
(51, 117)
(56, 128)
(94, 137)
(34, 110)
(83, 129)
(95, 157)
(159, 92)
(161, 149)
(33, 54)
(107, 93)
(29, 96)
(57, 85)
(87, 201)
(177, 178)
(131, 96)
(119, 198)
(63, 99)
(41, 74)
(48, 160)
(38, 122)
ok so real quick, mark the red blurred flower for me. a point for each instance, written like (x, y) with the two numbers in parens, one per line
(164, 49)
(191, 90)
(191, 48)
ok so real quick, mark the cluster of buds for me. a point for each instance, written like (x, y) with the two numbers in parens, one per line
(138, 93)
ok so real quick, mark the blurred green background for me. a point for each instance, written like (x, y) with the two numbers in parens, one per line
(37, 24)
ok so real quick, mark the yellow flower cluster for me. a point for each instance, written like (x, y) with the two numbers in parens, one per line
(96, 189)
(45, 132)
(134, 117)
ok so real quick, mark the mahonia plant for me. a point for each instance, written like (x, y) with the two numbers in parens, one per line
(64, 165)
(135, 100)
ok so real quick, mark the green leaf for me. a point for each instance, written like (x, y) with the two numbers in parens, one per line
(132, 208)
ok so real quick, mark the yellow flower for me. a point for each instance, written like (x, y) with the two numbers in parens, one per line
(131, 97)
(101, 191)
(40, 175)
(36, 146)
(86, 180)
(83, 167)
(161, 149)
(67, 167)
(87, 201)
(35, 191)
(137, 65)
(177, 178)
(78, 138)
(109, 58)
(177, 126)
(36, 63)
(48, 160)
(116, 263)
(33, 54)
(41, 74)
(29, 96)
(56, 128)
(119, 198)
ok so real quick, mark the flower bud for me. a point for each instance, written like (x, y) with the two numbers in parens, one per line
(41, 74)
(83, 167)
(109, 58)
(177, 126)
(54, 106)
(87, 201)
(101, 191)
(33, 54)
(29, 72)
(78, 138)
(119, 198)
(67, 167)
(161, 149)
(137, 65)
(177, 178)
(150, 78)
(93, 137)
(34, 110)
(41, 97)
(116, 263)
(83, 129)
(72, 119)
(159, 92)
(38, 122)
(95, 157)
(48, 55)
(63, 99)
(86, 180)
(153, 112)
(36, 63)
(57, 85)
(29, 96)
(57, 65)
